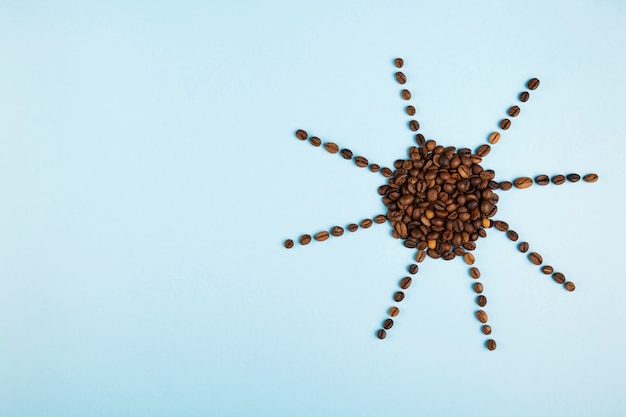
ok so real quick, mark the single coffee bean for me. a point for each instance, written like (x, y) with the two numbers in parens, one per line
(353, 227)
(478, 287)
(494, 137)
(398, 296)
(569, 286)
(573, 177)
(501, 226)
(558, 179)
(542, 180)
(535, 258)
(400, 77)
(380, 219)
(506, 185)
(360, 161)
(336, 231)
(513, 111)
(420, 140)
(448, 256)
(374, 167)
(547, 269)
(486, 329)
(398, 62)
(405, 282)
(331, 147)
(413, 268)
(532, 84)
(523, 182)
(505, 124)
(483, 150)
(394, 311)
(414, 125)
(524, 96)
(491, 344)
(558, 277)
(420, 256)
(305, 239)
(410, 110)
(469, 258)
(474, 272)
(301, 134)
(482, 316)
(481, 300)
(523, 247)
(381, 334)
(388, 324)
(322, 236)
(365, 223)
(512, 234)
(406, 94)
(288, 243)
(346, 153)
(315, 141)
(386, 172)
(591, 177)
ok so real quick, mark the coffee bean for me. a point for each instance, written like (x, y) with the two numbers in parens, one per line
(398, 296)
(569, 286)
(322, 236)
(535, 258)
(524, 96)
(406, 94)
(413, 268)
(573, 177)
(505, 124)
(400, 77)
(469, 258)
(365, 223)
(547, 269)
(360, 161)
(523, 182)
(288, 243)
(491, 344)
(478, 287)
(512, 234)
(353, 227)
(405, 282)
(410, 110)
(506, 185)
(474, 272)
(394, 311)
(558, 179)
(388, 324)
(501, 226)
(513, 111)
(486, 223)
(398, 62)
(374, 167)
(305, 239)
(482, 316)
(331, 147)
(420, 256)
(301, 134)
(494, 137)
(448, 256)
(486, 329)
(380, 219)
(481, 300)
(336, 231)
(558, 277)
(542, 180)
(381, 334)
(532, 84)
(346, 153)
(315, 141)
(420, 139)
(483, 150)
(523, 247)
(386, 172)
(591, 177)
(414, 125)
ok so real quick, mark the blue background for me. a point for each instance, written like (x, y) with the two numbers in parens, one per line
(149, 175)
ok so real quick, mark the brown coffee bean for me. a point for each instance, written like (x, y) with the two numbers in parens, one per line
(482, 316)
(591, 177)
(481, 300)
(501, 226)
(523, 247)
(305, 239)
(558, 277)
(532, 84)
(315, 141)
(386, 172)
(512, 234)
(474, 272)
(469, 258)
(322, 236)
(542, 180)
(288, 243)
(336, 231)
(535, 258)
(365, 223)
(478, 287)
(573, 177)
(558, 179)
(491, 344)
(483, 150)
(513, 111)
(420, 256)
(547, 269)
(380, 219)
(381, 334)
(346, 153)
(394, 311)
(400, 77)
(331, 147)
(353, 227)
(414, 125)
(301, 134)
(420, 140)
(410, 110)
(398, 62)
(398, 296)
(506, 185)
(505, 124)
(405, 282)
(413, 268)
(569, 286)
(360, 161)
(524, 96)
(388, 324)
(494, 137)
(486, 329)
(406, 94)
(523, 182)
(374, 167)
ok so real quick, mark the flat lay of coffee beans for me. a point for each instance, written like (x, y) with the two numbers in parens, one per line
(438, 201)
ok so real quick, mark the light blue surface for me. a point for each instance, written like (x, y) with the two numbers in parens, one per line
(149, 174)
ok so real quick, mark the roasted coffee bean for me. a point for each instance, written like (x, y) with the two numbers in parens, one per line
(406, 94)
(448, 256)
(569, 286)
(398, 296)
(353, 227)
(413, 268)
(394, 311)
(301, 134)
(388, 324)
(558, 179)
(381, 334)
(360, 161)
(524, 96)
(491, 344)
(481, 316)
(505, 124)
(532, 84)
(405, 282)
(346, 153)
(386, 172)
(365, 223)
(331, 147)
(547, 269)
(420, 256)
(513, 111)
(380, 219)
(506, 185)
(481, 300)
(305, 239)
(322, 236)
(591, 177)
(374, 167)
(486, 329)
(400, 77)
(336, 231)
(420, 139)
(478, 287)
(315, 141)
(573, 177)
(398, 62)
(410, 110)
(288, 243)
(469, 258)
(542, 180)
(501, 226)
(558, 277)
(535, 258)
(483, 150)
(523, 247)
(512, 234)
(414, 125)
(474, 272)
(523, 182)
(494, 137)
